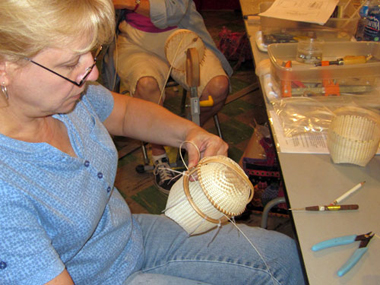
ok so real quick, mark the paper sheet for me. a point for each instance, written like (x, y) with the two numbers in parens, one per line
(311, 11)
(302, 143)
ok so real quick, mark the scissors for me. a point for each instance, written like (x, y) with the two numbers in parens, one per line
(359, 252)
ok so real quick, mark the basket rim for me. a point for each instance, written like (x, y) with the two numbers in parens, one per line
(192, 203)
(230, 164)
(196, 169)
(333, 131)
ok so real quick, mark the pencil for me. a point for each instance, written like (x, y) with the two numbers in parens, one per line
(348, 193)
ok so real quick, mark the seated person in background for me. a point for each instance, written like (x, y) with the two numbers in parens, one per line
(143, 67)
(62, 220)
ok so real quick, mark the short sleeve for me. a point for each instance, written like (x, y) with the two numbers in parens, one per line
(100, 99)
(27, 255)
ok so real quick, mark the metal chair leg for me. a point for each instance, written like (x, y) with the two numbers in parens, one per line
(267, 208)
(217, 126)
(145, 154)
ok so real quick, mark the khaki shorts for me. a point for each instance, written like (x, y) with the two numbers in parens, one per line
(140, 54)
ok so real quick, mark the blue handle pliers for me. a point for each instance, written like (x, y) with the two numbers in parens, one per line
(364, 240)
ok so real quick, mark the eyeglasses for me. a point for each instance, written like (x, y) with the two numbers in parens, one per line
(87, 72)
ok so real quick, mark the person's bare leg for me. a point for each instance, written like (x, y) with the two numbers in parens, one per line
(217, 88)
(147, 89)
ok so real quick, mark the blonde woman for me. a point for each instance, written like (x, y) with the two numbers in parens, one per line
(62, 220)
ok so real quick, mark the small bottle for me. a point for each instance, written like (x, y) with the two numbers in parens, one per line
(372, 26)
(362, 21)
(364, 10)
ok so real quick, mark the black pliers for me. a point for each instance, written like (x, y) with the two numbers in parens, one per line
(364, 240)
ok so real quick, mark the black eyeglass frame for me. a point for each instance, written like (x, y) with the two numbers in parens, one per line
(88, 69)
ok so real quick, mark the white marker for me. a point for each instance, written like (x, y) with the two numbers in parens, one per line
(348, 193)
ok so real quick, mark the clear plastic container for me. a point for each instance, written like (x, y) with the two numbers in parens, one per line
(352, 78)
(309, 51)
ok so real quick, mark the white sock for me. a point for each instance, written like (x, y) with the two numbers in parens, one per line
(157, 157)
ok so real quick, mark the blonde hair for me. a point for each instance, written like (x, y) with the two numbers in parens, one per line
(29, 26)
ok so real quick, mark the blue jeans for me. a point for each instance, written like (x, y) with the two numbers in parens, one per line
(226, 257)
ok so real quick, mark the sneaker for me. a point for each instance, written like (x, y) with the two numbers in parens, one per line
(164, 178)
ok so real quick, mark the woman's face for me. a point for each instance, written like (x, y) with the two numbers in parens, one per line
(37, 92)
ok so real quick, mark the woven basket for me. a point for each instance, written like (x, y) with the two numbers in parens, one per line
(177, 45)
(354, 136)
(221, 190)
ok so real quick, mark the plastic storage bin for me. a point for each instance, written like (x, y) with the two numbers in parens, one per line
(299, 79)
(336, 29)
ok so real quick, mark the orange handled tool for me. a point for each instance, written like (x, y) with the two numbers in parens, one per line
(347, 60)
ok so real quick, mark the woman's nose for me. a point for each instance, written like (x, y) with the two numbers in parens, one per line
(94, 74)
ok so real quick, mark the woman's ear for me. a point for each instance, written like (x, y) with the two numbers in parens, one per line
(5, 68)
(4, 81)
(3, 73)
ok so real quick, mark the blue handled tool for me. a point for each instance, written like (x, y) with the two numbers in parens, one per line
(364, 240)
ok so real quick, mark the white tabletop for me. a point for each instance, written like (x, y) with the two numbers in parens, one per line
(313, 179)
